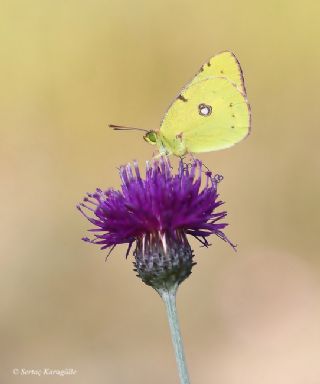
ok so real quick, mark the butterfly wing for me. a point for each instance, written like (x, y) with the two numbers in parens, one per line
(210, 114)
(224, 64)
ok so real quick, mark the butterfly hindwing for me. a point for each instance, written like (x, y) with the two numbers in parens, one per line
(210, 114)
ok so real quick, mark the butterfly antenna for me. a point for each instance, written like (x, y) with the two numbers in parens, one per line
(121, 128)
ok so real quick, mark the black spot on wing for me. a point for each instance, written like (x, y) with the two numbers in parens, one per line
(180, 97)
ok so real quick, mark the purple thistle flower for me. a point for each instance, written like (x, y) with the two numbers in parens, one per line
(157, 212)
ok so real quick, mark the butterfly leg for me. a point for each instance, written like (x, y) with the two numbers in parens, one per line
(160, 154)
(216, 178)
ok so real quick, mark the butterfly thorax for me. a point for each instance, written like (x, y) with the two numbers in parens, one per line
(175, 146)
(166, 147)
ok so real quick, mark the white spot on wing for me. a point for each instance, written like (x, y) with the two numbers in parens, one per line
(204, 109)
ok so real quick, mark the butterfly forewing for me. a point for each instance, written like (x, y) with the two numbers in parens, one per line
(224, 64)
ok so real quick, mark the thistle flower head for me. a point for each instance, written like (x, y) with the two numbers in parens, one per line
(157, 212)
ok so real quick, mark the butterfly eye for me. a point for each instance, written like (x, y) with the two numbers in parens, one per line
(151, 137)
(204, 109)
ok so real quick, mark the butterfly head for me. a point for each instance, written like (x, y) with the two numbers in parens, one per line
(151, 137)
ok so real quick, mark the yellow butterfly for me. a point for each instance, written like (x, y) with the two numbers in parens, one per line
(210, 113)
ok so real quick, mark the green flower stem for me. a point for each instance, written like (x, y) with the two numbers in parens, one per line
(169, 298)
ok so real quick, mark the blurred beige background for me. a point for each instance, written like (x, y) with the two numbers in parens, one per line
(68, 68)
